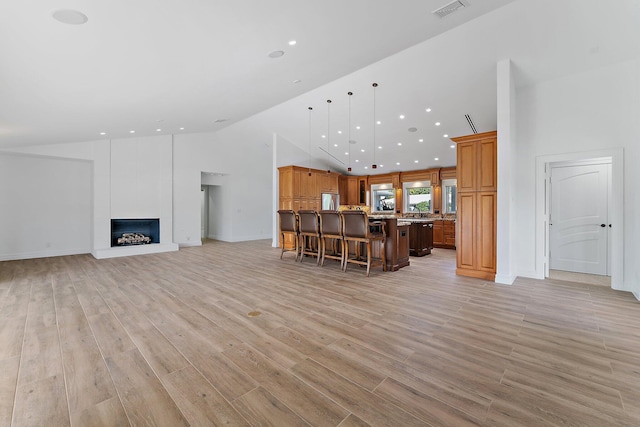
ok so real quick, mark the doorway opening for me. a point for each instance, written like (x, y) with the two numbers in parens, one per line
(579, 228)
(579, 211)
(210, 211)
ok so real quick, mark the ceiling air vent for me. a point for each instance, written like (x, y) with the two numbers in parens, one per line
(449, 8)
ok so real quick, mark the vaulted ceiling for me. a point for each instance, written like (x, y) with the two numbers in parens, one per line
(166, 67)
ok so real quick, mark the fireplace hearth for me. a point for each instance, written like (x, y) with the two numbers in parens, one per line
(134, 231)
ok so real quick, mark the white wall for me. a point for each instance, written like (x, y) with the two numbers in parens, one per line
(45, 206)
(245, 158)
(589, 111)
(131, 178)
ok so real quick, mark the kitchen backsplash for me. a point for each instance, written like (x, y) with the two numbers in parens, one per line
(428, 215)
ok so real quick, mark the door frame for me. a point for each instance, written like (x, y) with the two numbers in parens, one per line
(616, 209)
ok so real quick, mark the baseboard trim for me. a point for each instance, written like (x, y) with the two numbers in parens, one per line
(505, 279)
(43, 254)
(190, 244)
(121, 251)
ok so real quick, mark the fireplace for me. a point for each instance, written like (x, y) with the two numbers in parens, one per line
(134, 231)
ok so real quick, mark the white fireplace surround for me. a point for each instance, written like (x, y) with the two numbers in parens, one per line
(137, 183)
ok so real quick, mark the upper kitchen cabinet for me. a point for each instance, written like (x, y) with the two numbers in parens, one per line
(477, 162)
(328, 182)
(353, 190)
(301, 188)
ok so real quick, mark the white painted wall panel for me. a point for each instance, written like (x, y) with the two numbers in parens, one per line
(45, 206)
(589, 111)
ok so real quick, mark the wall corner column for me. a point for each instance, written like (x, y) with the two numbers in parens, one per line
(506, 121)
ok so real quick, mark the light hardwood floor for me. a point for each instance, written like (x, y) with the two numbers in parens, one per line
(167, 340)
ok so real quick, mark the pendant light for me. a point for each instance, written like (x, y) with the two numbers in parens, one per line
(328, 133)
(309, 150)
(374, 166)
(349, 141)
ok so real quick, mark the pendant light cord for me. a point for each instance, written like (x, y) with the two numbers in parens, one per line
(309, 150)
(374, 166)
(349, 140)
(328, 133)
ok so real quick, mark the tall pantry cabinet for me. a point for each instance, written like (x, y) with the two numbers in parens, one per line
(476, 199)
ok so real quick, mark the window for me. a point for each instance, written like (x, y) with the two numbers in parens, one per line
(383, 198)
(417, 197)
(449, 195)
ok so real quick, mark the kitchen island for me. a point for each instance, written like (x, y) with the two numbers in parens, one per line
(397, 243)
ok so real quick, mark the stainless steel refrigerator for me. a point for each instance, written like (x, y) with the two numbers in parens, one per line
(330, 201)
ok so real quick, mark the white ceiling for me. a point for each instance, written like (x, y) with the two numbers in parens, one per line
(149, 65)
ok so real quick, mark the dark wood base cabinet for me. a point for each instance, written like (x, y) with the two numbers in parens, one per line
(396, 247)
(404, 235)
(421, 238)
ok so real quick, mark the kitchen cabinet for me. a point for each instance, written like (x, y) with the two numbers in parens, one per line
(449, 234)
(444, 234)
(301, 188)
(420, 238)
(328, 182)
(403, 239)
(396, 246)
(476, 205)
(353, 190)
(438, 233)
(363, 187)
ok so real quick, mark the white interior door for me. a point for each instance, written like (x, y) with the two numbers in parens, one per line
(579, 225)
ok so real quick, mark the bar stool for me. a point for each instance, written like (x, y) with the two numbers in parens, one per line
(309, 234)
(355, 228)
(289, 226)
(331, 229)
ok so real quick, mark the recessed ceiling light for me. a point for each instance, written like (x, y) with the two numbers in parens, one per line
(436, 159)
(323, 136)
(397, 163)
(421, 140)
(445, 135)
(378, 122)
(181, 128)
(358, 127)
(437, 123)
(381, 166)
(415, 161)
(335, 145)
(132, 131)
(71, 17)
(362, 150)
(340, 132)
(357, 161)
(103, 133)
(158, 130)
(346, 153)
(366, 167)
(379, 147)
(292, 42)
(452, 146)
(428, 110)
(276, 54)
(399, 143)
(401, 116)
